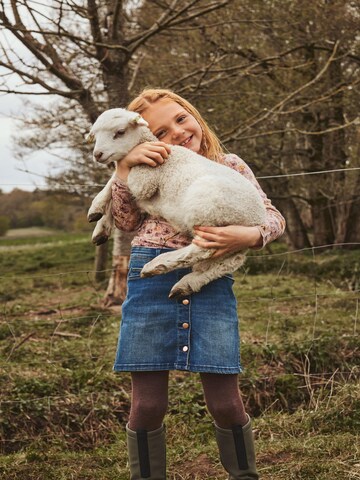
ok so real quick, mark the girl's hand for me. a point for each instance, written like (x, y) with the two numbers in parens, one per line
(149, 153)
(228, 239)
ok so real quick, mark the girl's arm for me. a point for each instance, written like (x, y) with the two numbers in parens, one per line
(126, 213)
(275, 223)
(233, 238)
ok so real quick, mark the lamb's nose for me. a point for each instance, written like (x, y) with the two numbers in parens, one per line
(98, 155)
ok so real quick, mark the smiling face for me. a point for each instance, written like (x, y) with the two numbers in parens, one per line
(172, 124)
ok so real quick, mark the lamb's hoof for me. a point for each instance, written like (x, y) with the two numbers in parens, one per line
(100, 239)
(94, 217)
(177, 293)
(146, 274)
(150, 271)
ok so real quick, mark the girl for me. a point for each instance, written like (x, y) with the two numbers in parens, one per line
(197, 334)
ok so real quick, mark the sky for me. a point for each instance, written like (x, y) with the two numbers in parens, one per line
(11, 175)
(11, 105)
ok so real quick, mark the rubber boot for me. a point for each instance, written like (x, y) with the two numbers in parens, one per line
(147, 454)
(237, 451)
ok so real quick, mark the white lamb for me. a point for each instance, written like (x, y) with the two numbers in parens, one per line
(186, 190)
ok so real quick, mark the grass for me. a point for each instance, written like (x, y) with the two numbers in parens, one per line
(63, 410)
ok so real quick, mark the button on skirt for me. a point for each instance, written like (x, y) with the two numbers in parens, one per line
(199, 333)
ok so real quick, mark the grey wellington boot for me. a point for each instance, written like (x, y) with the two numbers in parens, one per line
(147, 454)
(237, 451)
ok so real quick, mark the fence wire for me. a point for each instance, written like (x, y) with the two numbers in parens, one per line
(260, 177)
(56, 318)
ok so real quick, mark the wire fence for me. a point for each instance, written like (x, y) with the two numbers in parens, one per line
(260, 177)
(271, 302)
(270, 299)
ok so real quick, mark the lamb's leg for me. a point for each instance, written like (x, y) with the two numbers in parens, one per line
(100, 202)
(182, 258)
(205, 272)
(104, 227)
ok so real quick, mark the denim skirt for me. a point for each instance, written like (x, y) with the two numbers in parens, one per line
(199, 333)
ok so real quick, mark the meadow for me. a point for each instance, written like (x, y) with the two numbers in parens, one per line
(63, 410)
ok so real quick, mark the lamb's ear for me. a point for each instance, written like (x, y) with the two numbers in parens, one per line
(138, 120)
(90, 138)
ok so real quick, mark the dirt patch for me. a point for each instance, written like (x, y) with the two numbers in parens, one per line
(275, 458)
(200, 468)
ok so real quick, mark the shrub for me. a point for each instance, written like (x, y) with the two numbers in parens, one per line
(4, 225)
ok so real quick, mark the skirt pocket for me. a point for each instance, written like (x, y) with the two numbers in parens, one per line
(136, 264)
(134, 273)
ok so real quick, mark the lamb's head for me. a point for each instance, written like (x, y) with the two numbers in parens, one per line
(116, 132)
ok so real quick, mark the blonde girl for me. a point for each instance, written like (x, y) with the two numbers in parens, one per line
(196, 334)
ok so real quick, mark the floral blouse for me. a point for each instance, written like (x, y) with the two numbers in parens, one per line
(156, 232)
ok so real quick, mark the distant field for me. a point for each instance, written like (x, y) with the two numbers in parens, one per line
(63, 410)
(30, 232)
(40, 237)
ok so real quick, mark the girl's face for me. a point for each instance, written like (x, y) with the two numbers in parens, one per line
(172, 124)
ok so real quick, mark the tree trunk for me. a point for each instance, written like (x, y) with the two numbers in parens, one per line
(115, 76)
(320, 195)
(101, 261)
(295, 227)
(321, 191)
(322, 222)
(335, 150)
(343, 211)
(353, 219)
(117, 286)
(353, 230)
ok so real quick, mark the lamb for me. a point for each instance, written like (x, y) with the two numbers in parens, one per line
(186, 190)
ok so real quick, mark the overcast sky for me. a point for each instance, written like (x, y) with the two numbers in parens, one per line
(10, 106)
(10, 174)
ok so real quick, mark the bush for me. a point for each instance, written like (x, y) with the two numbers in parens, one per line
(4, 225)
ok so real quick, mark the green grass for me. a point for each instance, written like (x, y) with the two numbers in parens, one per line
(63, 410)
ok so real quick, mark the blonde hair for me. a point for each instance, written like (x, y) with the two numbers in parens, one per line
(210, 145)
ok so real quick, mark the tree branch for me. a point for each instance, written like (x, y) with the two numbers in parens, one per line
(261, 62)
(48, 57)
(331, 93)
(93, 17)
(136, 70)
(116, 19)
(77, 40)
(355, 121)
(36, 48)
(36, 81)
(276, 108)
(166, 21)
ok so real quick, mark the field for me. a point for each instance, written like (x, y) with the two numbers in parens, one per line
(63, 410)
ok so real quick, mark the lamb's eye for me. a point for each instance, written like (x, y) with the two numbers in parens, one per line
(119, 133)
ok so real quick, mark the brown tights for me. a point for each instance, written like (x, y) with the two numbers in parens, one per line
(149, 399)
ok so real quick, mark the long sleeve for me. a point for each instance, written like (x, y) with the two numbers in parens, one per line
(275, 223)
(127, 215)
